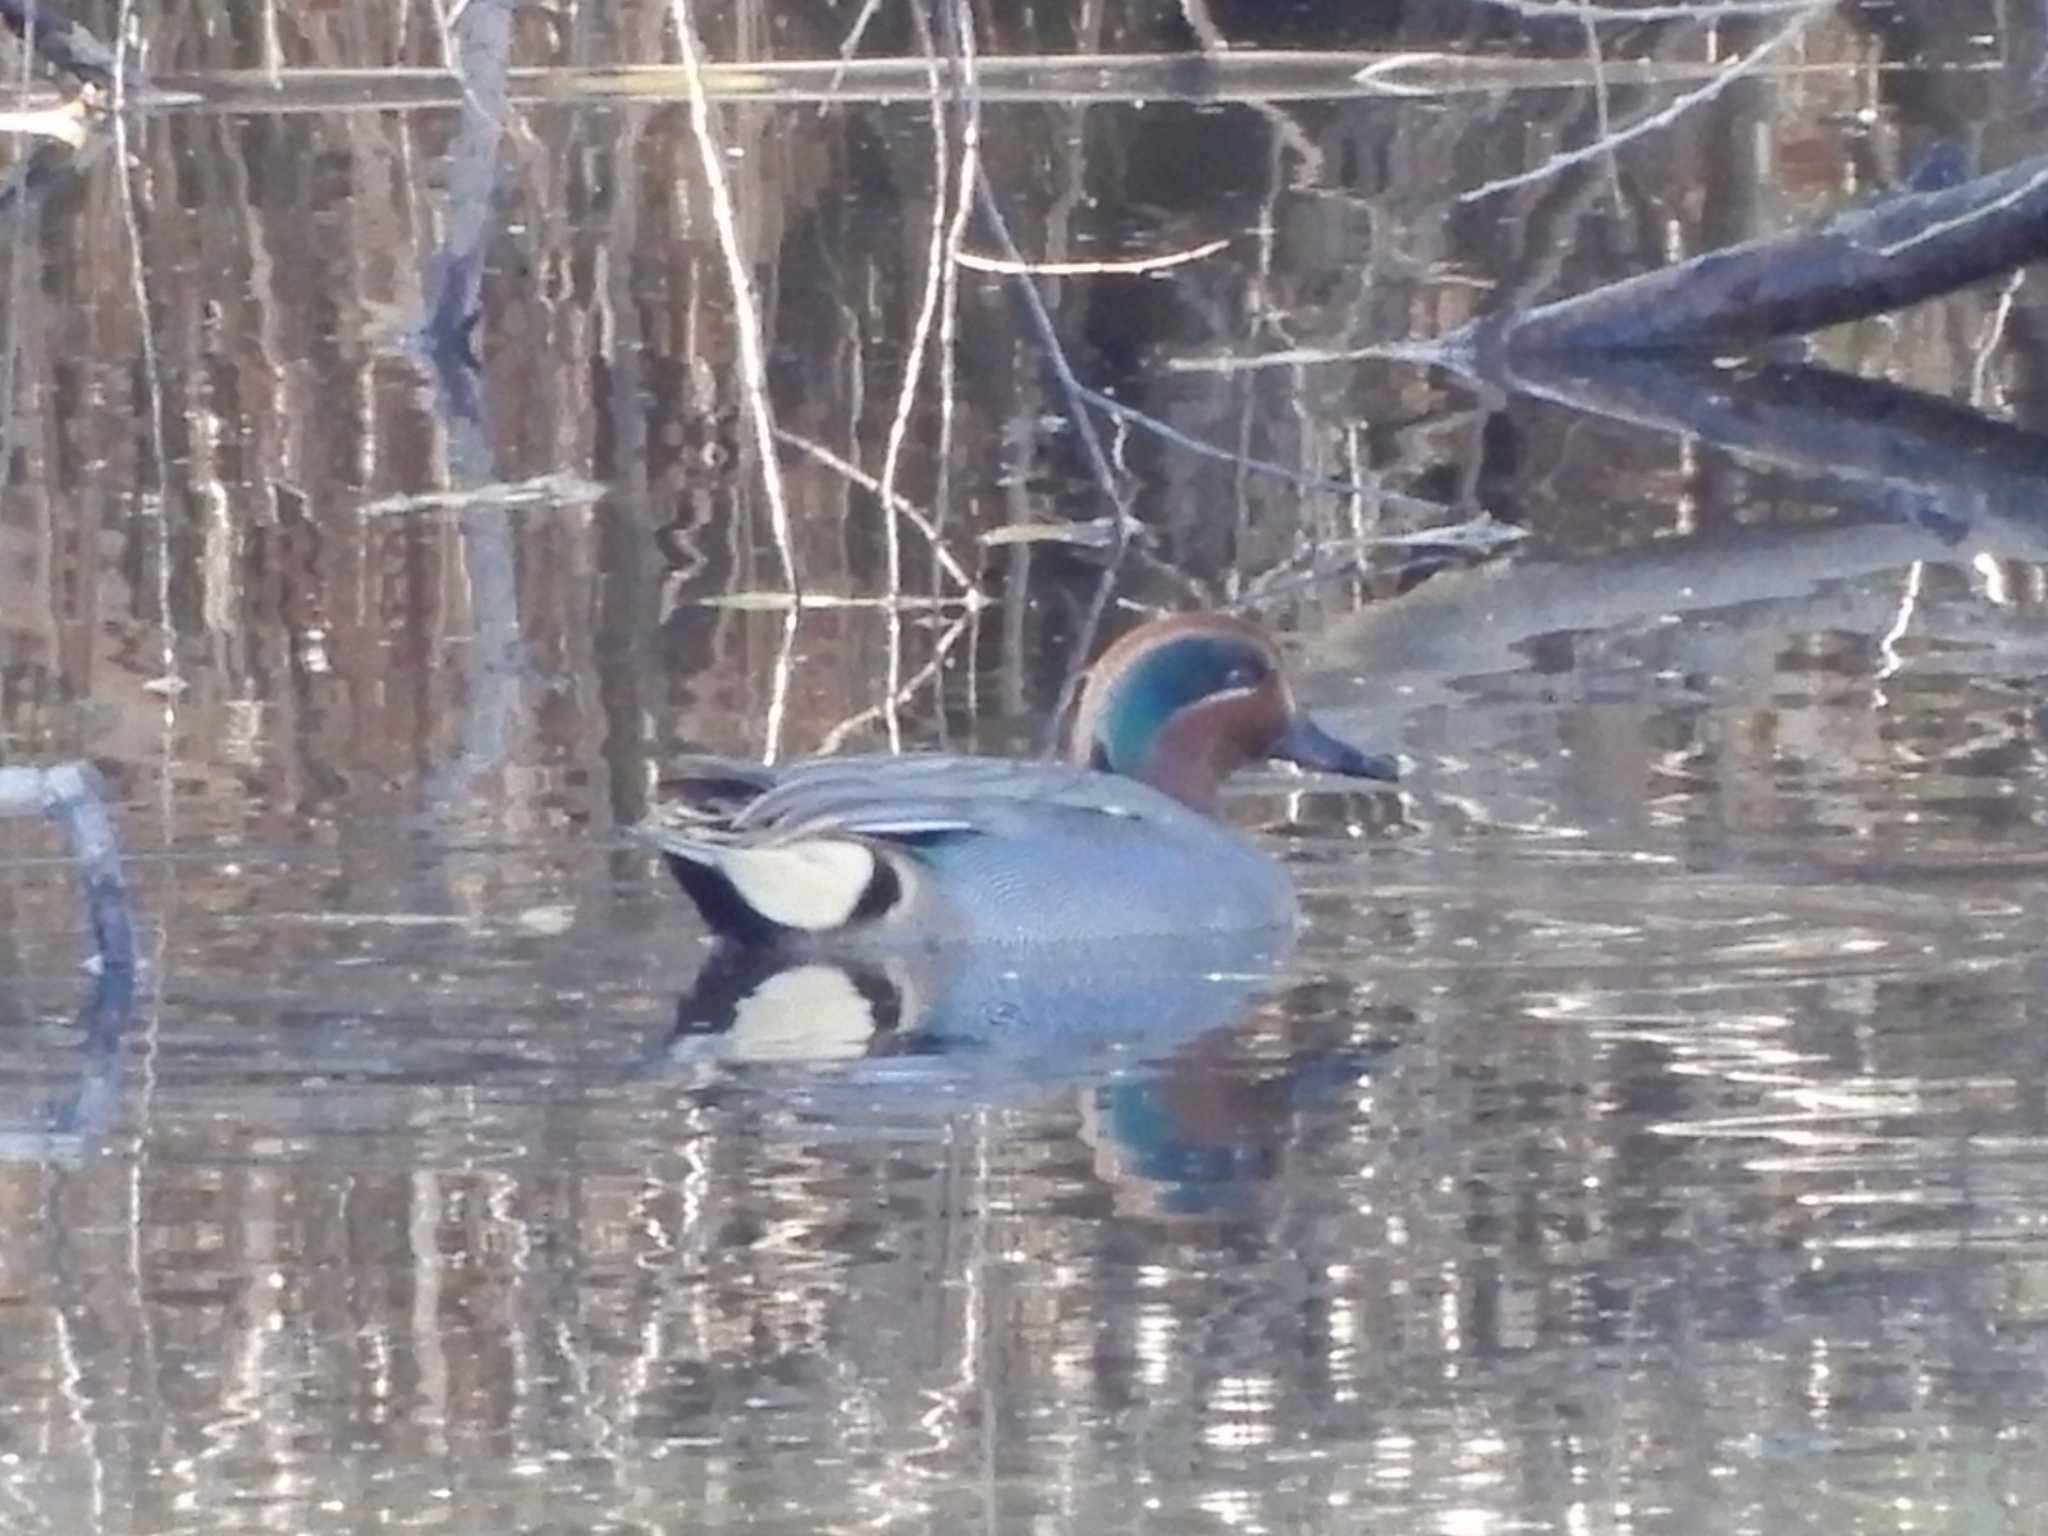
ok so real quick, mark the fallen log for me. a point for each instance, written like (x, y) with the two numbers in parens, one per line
(1861, 262)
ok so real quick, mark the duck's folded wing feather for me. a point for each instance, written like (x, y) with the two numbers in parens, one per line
(894, 797)
(700, 789)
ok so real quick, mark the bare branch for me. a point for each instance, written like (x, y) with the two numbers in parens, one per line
(746, 311)
(835, 738)
(1618, 15)
(1746, 64)
(898, 504)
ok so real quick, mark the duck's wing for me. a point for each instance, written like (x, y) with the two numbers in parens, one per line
(701, 790)
(919, 795)
(931, 793)
(826, 844)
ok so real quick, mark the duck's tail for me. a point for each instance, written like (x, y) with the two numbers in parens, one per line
(770, 893)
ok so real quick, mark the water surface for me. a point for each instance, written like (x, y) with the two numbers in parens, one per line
(1644, 1134)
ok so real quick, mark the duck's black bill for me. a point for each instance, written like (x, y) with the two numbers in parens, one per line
(1311, 746)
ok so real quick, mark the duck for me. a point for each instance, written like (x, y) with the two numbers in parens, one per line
(1120, 840)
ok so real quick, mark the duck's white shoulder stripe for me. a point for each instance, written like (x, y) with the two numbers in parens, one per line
(813, 885)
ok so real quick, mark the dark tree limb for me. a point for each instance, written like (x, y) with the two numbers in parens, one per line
(1872, 447)
(1913, 477)
(1862, 262)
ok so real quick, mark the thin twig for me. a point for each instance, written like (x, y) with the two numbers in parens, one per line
(1056, 357)
(1420, 352)
(898, 504)
(1993, 332)
(746, 313)
(1679, 106)
(778, 688)
(1135, 266)
(1603, 124)
(811, 600)
(850, 44)
(835, 738)
(913, 365)
(968, 174)
(1055, 354)
(1294, 477)
(1888, 643)
(1617, 15)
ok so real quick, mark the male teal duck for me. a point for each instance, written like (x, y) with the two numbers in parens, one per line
(926, 849)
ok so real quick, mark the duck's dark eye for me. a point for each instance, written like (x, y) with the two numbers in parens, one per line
(1244, 674)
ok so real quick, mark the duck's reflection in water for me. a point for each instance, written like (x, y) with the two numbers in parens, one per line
(1182, 1121)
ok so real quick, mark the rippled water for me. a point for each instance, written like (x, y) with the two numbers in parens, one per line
(1646, 1132)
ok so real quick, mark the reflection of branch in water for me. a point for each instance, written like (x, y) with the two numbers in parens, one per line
(836, 737)
(495, 661)
(1172, 434)
(927, 311)
(1132, 266)
(746, 311)
(1587, 13)
(961, 36)
(68, 795)
(778, 689)
(45, 168)
(902, 506)
(1603, 118)
(1888, 642)
(849, 45)
(1915, 476)
(1992, 334)
(1734, 70)
(1431, 549)
(1895, 450)
(965, 176)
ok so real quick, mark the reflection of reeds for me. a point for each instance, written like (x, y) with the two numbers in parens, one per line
(860, 401)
